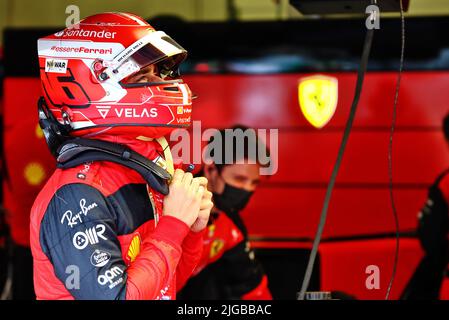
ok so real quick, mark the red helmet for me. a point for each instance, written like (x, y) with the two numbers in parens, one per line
(84, 71)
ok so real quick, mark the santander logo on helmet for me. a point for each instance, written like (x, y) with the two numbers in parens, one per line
(86, 33)
(91, 77)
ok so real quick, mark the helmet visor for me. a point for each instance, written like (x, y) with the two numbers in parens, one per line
(158, 49)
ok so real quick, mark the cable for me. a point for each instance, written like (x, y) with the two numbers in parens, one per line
(390, 152)
(341, 151)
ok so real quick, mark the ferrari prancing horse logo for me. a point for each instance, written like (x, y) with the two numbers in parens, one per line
(318, 96)
(216, 247)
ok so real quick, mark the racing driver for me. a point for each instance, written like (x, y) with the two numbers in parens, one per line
(115, 220)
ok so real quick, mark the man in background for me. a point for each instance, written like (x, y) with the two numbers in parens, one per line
(228, 268)
(433, 233)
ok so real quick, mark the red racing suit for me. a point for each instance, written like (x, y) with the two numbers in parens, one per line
(228, 268)
(96, 234)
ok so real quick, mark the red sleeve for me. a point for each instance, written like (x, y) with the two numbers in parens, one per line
(261, 292)
(156, 264)
(192, 249)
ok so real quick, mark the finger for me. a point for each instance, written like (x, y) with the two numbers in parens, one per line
(204, 215)
(187, 179)
(205, 212)
(200, 192)
(194, 186)
(177, 176)
(207, 195)
(202, 181)
(206, 205)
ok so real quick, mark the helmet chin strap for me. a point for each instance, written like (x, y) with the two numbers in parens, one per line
(168, 158)
(166, 164)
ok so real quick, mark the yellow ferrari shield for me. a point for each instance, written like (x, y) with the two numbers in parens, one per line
(216, 247)
(318, 96)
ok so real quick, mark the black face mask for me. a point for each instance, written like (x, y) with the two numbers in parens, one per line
(232, 199)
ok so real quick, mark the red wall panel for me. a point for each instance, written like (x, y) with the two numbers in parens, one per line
(271, 100)
(294, 212)
(308, 157)
(343, 266)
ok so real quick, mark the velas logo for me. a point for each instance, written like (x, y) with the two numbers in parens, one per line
(56, 65)
(318, 97)
(86, 33)
(121, 112)
(103, 111)
(100, 258)
(134, 113)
